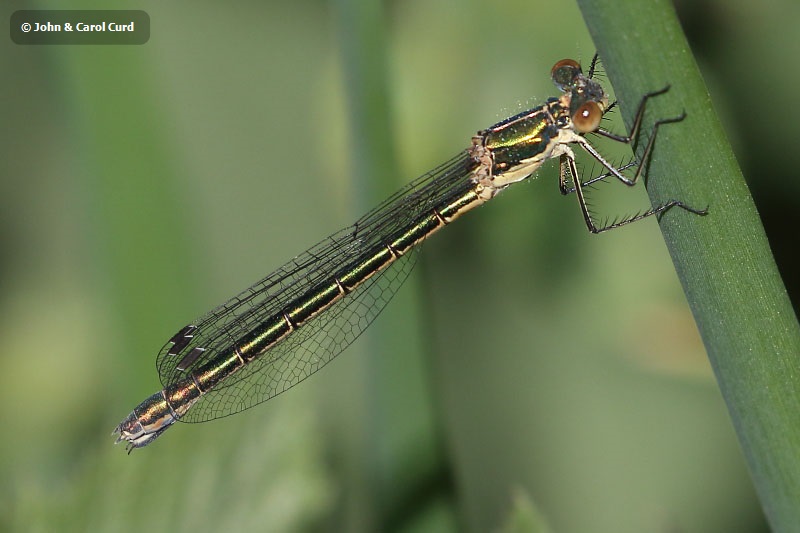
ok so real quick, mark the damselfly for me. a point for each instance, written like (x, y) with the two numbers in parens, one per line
(294, 321)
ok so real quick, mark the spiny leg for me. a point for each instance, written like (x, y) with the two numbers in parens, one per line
(567, 164)
(640, 165)
(568, 168)
(562, 185)
(631, 139)
(565, 177)
(593, 65)
(648, 149)
(637, 121)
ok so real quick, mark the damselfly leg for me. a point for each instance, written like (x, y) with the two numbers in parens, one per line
(569, 172)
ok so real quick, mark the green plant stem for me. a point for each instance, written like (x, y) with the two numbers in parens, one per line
(723, 260)
(400, 442)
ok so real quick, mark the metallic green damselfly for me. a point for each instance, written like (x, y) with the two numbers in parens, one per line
(294, 321)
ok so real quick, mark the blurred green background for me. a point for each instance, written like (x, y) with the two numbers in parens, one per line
(527, 374)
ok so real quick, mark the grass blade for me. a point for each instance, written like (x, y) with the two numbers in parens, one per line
(723, 260)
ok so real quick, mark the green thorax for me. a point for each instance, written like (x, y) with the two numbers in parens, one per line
(526, 135)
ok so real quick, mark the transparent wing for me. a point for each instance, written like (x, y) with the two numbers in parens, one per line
(322, 338)
(306, 351)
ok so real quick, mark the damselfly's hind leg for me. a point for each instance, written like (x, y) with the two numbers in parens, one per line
(568, 168)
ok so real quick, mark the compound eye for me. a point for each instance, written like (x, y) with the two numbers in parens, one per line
(564, 73)
(587, 118)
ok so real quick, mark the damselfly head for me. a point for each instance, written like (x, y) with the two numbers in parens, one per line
(587, 100)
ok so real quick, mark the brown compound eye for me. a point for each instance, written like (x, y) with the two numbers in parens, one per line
(587, 118)
(564, 72)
